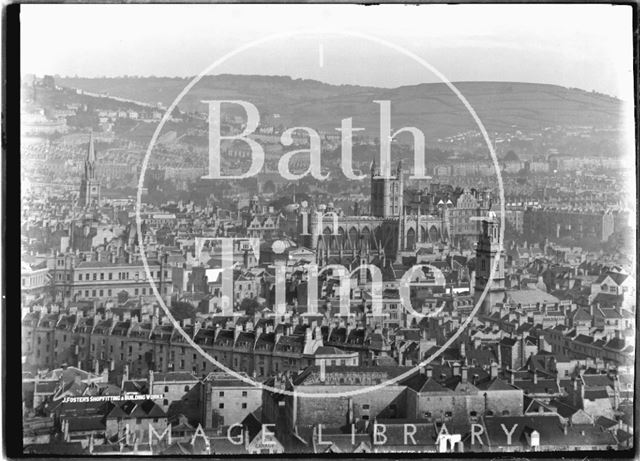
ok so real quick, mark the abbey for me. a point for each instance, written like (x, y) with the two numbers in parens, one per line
(382, 236)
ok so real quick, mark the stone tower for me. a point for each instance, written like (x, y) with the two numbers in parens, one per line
(386, 193)
(89, 186)
(486, 252)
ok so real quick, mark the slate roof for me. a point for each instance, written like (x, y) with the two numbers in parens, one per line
(86, 423)
(174, 376)
(596, 394)
(617, 277)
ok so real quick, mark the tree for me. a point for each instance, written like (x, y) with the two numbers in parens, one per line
(621, 241)
(52, 289)
(249, 305)
(123, 296)
(182, 310)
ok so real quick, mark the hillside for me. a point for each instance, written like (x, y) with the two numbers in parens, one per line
(432, 107)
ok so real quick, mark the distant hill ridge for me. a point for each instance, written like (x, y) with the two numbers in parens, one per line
(431, 107)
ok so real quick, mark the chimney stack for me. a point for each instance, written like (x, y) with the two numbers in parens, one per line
(494, 370)
(465, 374)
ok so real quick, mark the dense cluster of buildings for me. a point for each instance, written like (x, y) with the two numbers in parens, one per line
(427, 335)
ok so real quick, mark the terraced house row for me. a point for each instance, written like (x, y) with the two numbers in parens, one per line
(259, 346)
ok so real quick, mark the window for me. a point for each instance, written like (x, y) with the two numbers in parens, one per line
(101, 275)
(505, 412)
(95, 276)
(365, 406)
(244, 405)
(448, 414)
(221, 394)
(110, 275)
(186, 388)
(244, 393)
(221, 406)
(79, 276)
(166, 388)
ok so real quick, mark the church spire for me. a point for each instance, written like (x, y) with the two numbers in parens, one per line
(90, 161)
(89, 186)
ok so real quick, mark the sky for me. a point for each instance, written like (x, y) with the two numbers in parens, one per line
(582, 46)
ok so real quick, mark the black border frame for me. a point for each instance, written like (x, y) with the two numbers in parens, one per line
(10, 202)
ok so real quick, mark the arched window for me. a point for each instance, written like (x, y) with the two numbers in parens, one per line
(186, 388)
